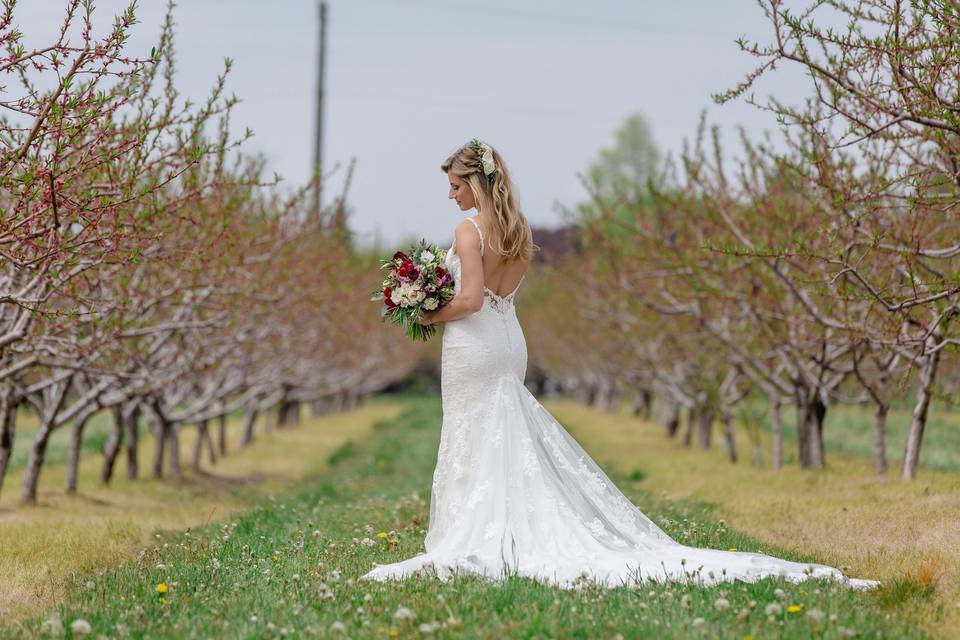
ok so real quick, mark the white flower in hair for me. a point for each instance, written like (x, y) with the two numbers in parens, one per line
(487, 162)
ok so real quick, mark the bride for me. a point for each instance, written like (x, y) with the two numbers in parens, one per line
(513, 492)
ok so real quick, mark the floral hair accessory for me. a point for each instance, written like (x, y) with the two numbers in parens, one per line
(487, 165)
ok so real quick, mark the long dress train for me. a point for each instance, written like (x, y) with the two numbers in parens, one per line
(514, 493)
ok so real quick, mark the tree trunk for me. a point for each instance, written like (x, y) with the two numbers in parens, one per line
(728, 437)
(688, 433)
(673, 421)
(318, 407)
(777, 429)
(249, 422)
(288, 413)
(203, 438)
(818, 455)
(173, 441)
(880, 440)
(8, 428)
(704, 428)
(111, 449)
(38, 450)
(211, 447)
(803, 429)
(643, 404)
(222, 422)
(918, 421)
(160, 436)
(133, 445)
(73, 455)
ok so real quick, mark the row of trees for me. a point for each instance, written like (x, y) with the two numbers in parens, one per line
(822, 269)
(147, 267)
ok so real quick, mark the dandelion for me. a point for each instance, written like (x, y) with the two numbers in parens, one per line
(338, 627)
(743, 615)
(52, 626)
(732, 549)
(325, 591)
(403, 614)
(686, 602)
(794, 608)
(80, 627)
(815, 615)
(382, 535)
(779, 594)
(773, 609)
(394, 633)
(367, 542)
(698, 623)
(427, 628)
(721, 604)
(162, 587)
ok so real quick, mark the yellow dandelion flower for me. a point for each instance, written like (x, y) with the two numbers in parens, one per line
(394, 633)
(794, 608)
(733, 548)
(162, 587)
(747, 638)
(382, 534)
(276, 558)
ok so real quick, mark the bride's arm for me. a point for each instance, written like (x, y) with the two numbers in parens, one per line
(470, 298)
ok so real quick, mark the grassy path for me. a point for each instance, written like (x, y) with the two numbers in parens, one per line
(44, 549)
(288, 568)
(871, 527)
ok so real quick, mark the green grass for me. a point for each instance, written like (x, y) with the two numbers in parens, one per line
(850, 429)
(94, 436)
(289, 568)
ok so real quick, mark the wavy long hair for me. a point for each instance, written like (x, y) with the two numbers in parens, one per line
(496, 199)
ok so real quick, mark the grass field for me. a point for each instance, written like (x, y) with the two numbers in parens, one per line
(849, 428)
(45, 548)
(872, 527)
(288, 565)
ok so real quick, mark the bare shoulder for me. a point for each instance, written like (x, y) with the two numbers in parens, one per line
(466, 232)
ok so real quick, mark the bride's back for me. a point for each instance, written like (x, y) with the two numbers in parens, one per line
(500, 275)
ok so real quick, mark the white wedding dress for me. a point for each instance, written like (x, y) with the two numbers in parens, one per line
(514, 493)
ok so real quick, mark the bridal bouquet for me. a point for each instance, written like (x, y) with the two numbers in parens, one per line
(416, 282)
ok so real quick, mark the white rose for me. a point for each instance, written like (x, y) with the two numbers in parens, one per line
(395, 296)
(418, 295)
(487, 160)
(426, 257)
(430, 304)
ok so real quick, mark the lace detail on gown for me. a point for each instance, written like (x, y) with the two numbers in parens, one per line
(514, 493)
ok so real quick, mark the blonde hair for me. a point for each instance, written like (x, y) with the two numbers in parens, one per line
(496, 199)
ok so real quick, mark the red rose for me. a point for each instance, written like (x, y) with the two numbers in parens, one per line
(441, 272)
(401, 255)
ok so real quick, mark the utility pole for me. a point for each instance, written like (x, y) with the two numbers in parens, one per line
(318, 143)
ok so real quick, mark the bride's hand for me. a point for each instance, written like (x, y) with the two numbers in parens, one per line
(426, 318)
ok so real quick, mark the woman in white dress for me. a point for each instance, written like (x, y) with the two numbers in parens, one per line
(513, 492)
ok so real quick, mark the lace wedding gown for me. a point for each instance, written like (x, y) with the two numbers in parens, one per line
(514, 493)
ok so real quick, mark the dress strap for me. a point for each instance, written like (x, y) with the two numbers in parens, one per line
(480, 232)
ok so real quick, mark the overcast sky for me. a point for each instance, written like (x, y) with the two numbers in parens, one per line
(411, 80)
